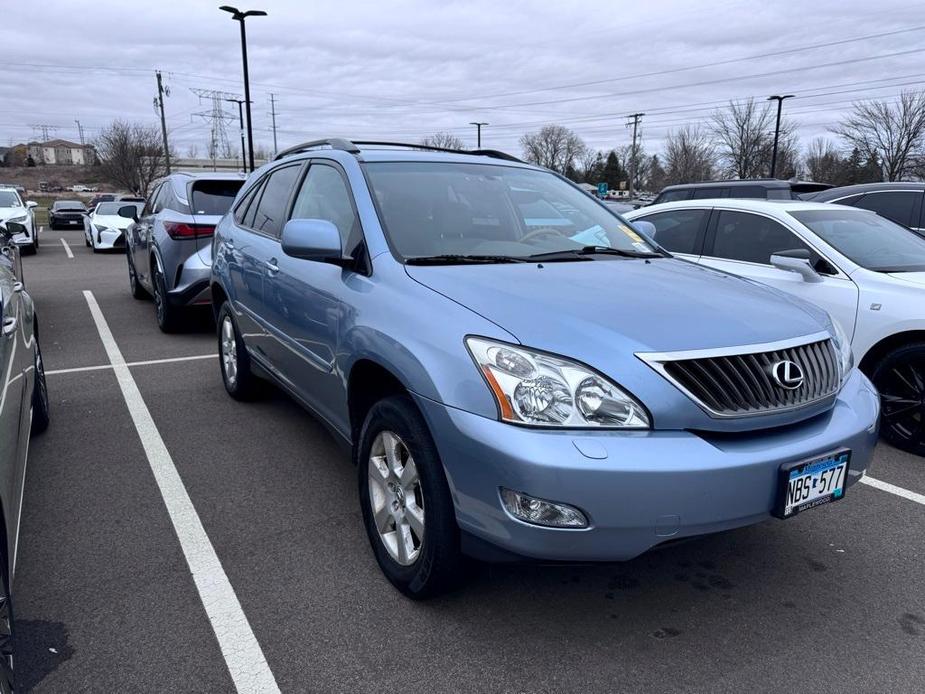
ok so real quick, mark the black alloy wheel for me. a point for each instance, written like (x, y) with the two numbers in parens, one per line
(900, 378)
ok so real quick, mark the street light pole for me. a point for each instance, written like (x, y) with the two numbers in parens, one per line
(239, 17)
(478, 127)
(780, 102)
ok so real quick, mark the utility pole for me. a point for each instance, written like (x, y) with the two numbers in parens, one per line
(780, 102)
(273, 116)
(635, 117)
(161, 91)
(240, 103)
(80, 132)
(478, 127)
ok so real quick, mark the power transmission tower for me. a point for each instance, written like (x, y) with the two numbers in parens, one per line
(219, 146)
(163, 91)
(45, 129)
(632, 167)
(273, 116)
(80, 132)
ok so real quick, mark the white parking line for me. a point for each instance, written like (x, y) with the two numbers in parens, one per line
(67, 249)
(243, 656)
(893, 489)
(169, 360)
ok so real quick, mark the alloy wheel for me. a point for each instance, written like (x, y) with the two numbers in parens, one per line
(158, 297)
(902, 397)
(396, 498)
(229, 351)
(6, 639)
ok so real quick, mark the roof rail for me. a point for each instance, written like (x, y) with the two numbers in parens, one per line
(352, 146)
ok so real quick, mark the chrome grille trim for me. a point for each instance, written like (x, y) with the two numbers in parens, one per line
(736, 382)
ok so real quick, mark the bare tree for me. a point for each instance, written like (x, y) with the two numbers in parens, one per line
(824, 163)
(690, 156)
(192, 151)
(742, 132)
(555, 147)
(893, 133)
(444, 140)
(131, 155)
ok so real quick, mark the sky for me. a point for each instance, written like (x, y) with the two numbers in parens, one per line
(407, 69)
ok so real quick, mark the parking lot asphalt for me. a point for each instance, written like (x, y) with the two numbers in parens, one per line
(833, 600)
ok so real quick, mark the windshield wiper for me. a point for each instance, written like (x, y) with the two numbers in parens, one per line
(455, 259)
(591, 250)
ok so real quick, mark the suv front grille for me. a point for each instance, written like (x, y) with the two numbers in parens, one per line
(741, 382)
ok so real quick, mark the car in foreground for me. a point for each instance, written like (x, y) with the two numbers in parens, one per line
(518, 371)
(21, 214)
(760, 188)
(23, 412)
(66, 214)
(104, 227)
(866, 271)
(900, 202)
(169, 245)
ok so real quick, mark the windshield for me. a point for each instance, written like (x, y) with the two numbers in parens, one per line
(112, 208)
(872, 241)
(9, 198)
(213, 197)
(434, 209)
(68, 205)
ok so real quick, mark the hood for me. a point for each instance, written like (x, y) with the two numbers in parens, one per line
(587, 310)
(914, 277)
(8, 213)
(113, 221)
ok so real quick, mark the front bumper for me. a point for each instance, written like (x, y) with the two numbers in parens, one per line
(110, 238)
(638, 489)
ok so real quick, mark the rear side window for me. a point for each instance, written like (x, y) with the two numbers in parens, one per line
(895, 205)
(679, 230)
(245, 205)
(711, 192)
(673, 195)
(271, 210)
(213, 197)
(752, 238)
(759, 192)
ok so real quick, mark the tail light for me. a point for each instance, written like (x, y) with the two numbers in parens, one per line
(182, 230)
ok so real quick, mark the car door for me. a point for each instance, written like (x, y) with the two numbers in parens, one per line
(680, 230)
(743, 242)
(140, 232)
(314, 295)
(257, 252)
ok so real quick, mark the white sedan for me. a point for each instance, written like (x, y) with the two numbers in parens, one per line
(104, 228)
(13, 209)
(866, 271)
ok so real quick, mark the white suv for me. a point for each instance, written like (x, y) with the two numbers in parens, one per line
(866, 271)
(12, 209)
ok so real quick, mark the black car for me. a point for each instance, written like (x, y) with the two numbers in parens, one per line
(67, 213)
(899, 202)
(97, 199)
(762, 188)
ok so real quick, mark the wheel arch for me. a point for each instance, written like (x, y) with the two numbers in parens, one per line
(886, 345)
(367, 383)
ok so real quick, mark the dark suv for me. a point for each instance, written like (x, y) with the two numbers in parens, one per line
(899, 202)
(763, 188)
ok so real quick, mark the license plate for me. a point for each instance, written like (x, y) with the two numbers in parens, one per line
(72, 221)
(812, 483)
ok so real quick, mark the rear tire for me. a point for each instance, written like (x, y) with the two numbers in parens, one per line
(40, 405)
(407, 508)
(168, 316)
(900, 378)
(234, 361)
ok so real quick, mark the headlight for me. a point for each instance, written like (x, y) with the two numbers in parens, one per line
(842, 349)
(99, 228)
(543, 390)
(20, 220)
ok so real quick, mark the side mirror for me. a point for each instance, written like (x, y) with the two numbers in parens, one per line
(797, 260)
(129, 212)
(312, 239)
(646, 228)
(31, 204)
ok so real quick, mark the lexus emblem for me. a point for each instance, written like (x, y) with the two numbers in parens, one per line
(787, 374)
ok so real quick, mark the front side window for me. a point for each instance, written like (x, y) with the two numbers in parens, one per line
(149, 205)
(436, 209)
(752, 238)
(324, 195)
(896, 205)
(871, 241)
(270, 213)
(679, 230)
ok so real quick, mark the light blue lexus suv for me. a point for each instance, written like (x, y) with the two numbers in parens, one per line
(519, 372)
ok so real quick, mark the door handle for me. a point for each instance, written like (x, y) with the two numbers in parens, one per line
(9, 324)
(272, 267)
(17, 286)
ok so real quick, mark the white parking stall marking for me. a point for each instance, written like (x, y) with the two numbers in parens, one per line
(67, 249)
(147, 362)
(246, 663)
(893, 489)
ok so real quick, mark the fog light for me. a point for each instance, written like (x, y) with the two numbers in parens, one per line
(541, 512)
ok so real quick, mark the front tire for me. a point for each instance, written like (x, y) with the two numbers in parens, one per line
(900, 378)
(138, 292)
(407, 507)
(239, 379)
(168, 316)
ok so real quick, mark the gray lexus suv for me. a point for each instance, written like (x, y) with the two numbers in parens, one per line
(169, 246)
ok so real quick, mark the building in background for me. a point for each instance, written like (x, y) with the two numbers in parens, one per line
(61, 152)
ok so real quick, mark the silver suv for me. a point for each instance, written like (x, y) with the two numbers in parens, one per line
(169, 246)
